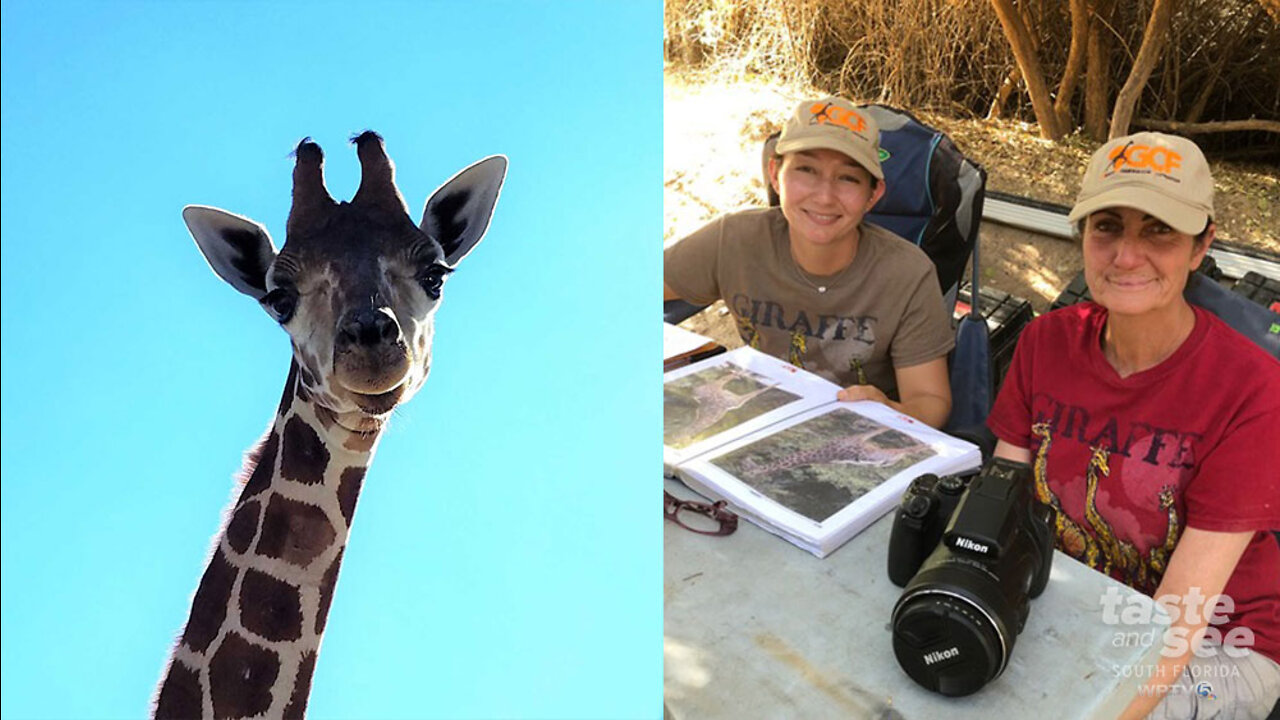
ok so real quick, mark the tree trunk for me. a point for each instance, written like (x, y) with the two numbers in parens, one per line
(1002, 95)
(1075, 63)
(1020, 42)
(1153, 41)
(1097, 89)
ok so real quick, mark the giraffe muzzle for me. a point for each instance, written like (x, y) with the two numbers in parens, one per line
(370, 356)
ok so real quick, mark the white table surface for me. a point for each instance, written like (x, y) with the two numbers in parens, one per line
(755, 627)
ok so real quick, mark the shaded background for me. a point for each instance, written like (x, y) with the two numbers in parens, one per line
(504, 561)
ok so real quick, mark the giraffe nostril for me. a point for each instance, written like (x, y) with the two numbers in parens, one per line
(369, 327)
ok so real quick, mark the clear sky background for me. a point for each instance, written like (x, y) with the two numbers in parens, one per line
(505, 558)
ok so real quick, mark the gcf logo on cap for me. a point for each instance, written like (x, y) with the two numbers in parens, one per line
(1135, 158)
(831, 114)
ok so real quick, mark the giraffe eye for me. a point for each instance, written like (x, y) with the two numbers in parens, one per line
(432, 280)
(280, 304)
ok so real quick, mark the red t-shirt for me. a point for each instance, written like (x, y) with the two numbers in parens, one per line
(1130, 462)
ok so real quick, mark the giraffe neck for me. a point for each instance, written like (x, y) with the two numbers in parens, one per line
(250, 645)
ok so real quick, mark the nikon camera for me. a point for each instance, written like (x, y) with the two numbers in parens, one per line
(966, 597)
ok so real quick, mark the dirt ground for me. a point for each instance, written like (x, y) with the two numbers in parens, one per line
(713, 130)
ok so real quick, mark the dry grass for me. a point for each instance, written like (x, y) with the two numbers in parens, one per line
(714, 126)
(951, 57)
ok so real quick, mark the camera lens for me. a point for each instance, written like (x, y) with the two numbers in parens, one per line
(946, 643)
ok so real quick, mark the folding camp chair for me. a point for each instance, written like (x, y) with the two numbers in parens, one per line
(934, 199)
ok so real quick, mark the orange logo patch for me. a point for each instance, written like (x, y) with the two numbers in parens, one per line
(824, 113)
(1143, 157)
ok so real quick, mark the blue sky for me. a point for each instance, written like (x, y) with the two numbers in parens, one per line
(505, 559)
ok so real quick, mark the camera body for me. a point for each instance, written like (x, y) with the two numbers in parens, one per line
(970, 556)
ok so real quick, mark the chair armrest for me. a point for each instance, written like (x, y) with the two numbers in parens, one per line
(675, 311)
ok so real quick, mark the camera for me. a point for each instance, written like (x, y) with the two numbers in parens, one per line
(971, 554)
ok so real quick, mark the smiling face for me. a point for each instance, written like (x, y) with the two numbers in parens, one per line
(1135, 264)
(824, 195)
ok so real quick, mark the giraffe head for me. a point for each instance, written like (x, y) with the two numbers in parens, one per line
(357, 283)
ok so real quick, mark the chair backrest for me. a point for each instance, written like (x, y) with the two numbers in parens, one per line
(1246, 317)
(933, 192)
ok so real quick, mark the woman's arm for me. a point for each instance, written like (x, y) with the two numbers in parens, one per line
(1199, 569)
(925, 390)
(1009, 451)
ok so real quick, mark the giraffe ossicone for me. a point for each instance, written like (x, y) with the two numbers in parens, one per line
(356, 286)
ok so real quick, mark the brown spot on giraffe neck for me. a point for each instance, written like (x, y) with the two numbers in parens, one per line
(243, 526)
(297, 708)
(303, 456)
(240, 678)
(294, 531)
(181, 695)
(326, 591)
(209, 608)
(270, 608)
(349, 491)
(263, 459)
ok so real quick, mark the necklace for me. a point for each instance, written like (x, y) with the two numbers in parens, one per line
(831, 280)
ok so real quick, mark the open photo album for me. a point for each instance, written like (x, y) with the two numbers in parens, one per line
(773, 442)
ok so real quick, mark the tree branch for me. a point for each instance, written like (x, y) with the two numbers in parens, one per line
(1153, 41)
(1186, 128)
(1023, 47)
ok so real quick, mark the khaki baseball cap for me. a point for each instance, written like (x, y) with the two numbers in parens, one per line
(1165, 176)
(833, 123)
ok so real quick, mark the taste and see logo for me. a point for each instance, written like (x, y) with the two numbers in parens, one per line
(1127, 608)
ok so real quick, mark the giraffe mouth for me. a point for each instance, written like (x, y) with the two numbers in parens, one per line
(378, 403)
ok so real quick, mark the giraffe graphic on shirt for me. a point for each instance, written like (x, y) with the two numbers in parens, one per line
(798, 347)
(1071, 539)
(1096, 543)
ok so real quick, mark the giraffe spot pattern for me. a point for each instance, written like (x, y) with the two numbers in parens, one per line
(297, 707)
(181, 695)
(240, 678)
(303, 456)
(349, 491)
(308, 379)
(326, 591)
(263, 459)
(270, 608)
(286, 400)
(294, 531)
(325, 416)
(243, 526)
(209, 608)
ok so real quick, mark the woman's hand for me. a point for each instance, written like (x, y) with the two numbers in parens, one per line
(925, 390)
(854, 393)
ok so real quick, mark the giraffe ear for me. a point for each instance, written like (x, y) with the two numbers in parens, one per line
(238, 249)
(458, 212)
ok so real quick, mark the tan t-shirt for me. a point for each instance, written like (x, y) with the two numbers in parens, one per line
(883, 311)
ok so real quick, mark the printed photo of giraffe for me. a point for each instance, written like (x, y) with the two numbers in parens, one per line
(819, 466)
(710, 401)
